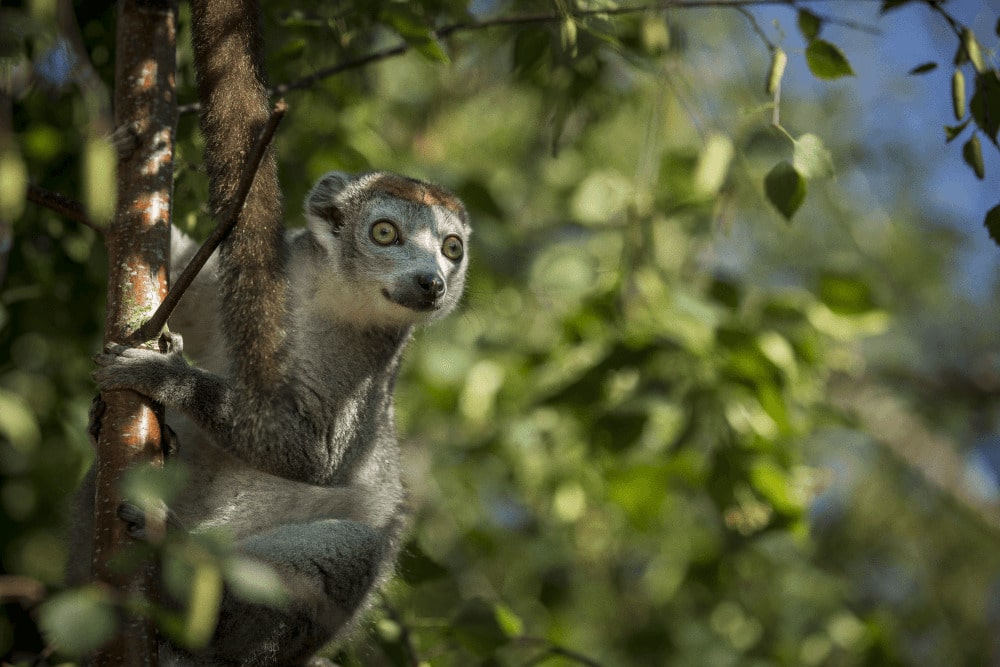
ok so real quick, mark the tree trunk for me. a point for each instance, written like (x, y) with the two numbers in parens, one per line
(138, 242)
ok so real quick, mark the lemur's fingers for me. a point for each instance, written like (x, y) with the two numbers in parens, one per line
(172, 343)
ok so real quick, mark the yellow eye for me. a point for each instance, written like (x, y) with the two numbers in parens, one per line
(452, 248)
(384, 232)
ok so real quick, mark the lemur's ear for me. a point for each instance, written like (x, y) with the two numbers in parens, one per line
(321, 203)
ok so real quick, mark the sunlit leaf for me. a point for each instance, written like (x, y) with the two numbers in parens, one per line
(254, 581)
(203, 604)
(771, 482)
(13, 184)
(567, 35)
(779, 59)
(78, 621)
(17, 422)
(99, 179)
(958, 94)
(713, 164)
(509, 622)
(973, 50)
(846, 294)
(811, 158)
(827, 61)
(785, 188)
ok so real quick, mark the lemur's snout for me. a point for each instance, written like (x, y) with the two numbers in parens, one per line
(431, 284)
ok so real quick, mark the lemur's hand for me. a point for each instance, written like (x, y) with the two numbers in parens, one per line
(148, 372)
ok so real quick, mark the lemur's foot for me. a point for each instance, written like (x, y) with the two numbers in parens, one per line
(97, 408)
(125, 140)
(139, 526)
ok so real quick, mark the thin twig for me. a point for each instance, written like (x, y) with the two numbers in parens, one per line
(756, 28)
(554, 649)
(848, 23)
(28, 589)
(153, 326)
(64, 206)
(525, 19)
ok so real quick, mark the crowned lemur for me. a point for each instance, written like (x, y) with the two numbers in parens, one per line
(286, 425)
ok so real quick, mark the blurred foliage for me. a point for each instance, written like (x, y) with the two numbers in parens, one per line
(623, 451)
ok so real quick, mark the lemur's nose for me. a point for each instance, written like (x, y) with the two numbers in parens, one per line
(431, 284)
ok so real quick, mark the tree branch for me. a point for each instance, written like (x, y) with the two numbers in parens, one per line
(138, 242)
(64, 206)
(529, 19)
(153, 326)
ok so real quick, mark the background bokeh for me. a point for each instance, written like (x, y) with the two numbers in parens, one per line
(668, 427)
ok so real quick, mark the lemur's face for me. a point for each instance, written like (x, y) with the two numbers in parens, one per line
(396, 246)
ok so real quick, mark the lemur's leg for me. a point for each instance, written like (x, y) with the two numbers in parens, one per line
(328, 568)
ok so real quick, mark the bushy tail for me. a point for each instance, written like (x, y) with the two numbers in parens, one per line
(228, 55)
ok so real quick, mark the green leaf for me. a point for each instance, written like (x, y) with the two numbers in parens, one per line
(985, 104)
(958, 94)
(78, 621)
(923, 68)
(972, 153)
(973, 50)
(203, 605)
(530, 47)
(846, 294)
(809, 24)
(254, 581)
(952, 131)
(432, 50)
(992, 222)
(477, 627)
(99, 179)
(785, 188)
(713, 165)
(889, 5)
(811, 157)
(13, 184)
(416, 567)
(827, 61)
(779, 59)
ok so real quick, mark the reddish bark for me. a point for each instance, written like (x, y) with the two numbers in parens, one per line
(138, 252)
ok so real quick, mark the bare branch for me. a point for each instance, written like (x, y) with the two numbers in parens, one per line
(533, 19)
(153, 326)
(64, 206)
(909, 439)
(28, 589)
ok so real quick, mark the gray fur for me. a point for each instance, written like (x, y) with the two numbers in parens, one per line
(306, 476)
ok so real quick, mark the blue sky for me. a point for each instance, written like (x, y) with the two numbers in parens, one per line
(914, 109)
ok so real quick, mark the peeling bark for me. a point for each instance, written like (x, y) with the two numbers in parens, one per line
(138, 242)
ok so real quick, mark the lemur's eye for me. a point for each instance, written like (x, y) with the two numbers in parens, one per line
(452, 248)
(383, 232)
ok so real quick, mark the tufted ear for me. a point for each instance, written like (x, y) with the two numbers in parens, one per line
(321, 203)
